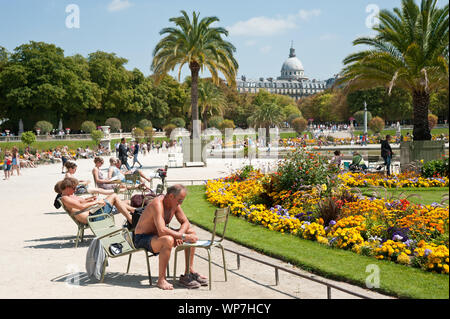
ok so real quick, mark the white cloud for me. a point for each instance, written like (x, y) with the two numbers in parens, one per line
(328, 37)
(265, 49)
(264, 26)
(306, 15)
(260, 26)
(117, 5)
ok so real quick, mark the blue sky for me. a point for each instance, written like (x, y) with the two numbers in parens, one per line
(322, 30)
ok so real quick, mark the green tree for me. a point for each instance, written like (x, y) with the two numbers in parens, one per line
(138, 134)
(267, 115)
(96, 136)
(199, 45)
(211, 101)
(28, 138)
(299, 124)
(410, 51)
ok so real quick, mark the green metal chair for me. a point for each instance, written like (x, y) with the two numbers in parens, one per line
(108, 233)
(132, 181)
(220, 217)
(159, 189)
(81, 226)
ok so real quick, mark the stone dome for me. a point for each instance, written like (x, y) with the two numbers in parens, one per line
(292, 68)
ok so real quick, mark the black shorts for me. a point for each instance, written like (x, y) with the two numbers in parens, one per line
(144, 241)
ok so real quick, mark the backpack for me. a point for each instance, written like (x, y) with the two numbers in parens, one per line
(140, 200)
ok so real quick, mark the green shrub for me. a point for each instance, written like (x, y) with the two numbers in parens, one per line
(145, 123)
(302, 168)
(88, 126)
(215, 121)
(138, 134)
(432, 121)
(299, 124)
(376, 124)
(436, 168)
(44, 126)
(96, 136)
(169, 128)
(359, 117)
(178, 121)
(227, 124)
(114, 124)
(28, 138)
(148, 133)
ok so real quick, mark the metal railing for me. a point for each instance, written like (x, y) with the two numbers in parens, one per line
(277, 277)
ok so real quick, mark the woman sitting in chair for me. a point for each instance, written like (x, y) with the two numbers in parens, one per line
(82, 187)
(101, 181)
(115, 172)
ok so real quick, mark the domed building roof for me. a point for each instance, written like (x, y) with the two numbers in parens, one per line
(292, 68)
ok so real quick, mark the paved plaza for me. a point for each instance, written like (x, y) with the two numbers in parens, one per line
(39, 259)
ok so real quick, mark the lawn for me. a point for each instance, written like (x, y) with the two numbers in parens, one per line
(396, 280)
(427, 196)
(393, 132)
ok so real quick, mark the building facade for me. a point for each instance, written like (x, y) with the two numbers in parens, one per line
(292, 81)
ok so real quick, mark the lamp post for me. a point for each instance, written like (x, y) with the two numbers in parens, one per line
(365, 117)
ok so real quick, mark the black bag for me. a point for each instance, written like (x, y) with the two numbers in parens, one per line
(115, 249)
(135, 218)
(56, 203)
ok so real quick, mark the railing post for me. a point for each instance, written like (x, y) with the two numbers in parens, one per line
(328, 292)
(277, 278)
(238, 261)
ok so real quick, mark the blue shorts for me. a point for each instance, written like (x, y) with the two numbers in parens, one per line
(144, 241)
(107, 209)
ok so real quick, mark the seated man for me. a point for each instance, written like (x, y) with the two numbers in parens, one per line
(152, 234)
(74, 203)
(357, 162)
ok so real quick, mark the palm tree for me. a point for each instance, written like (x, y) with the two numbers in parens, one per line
(266, 115)
(410, 51)
(211, 101)
(199, 45)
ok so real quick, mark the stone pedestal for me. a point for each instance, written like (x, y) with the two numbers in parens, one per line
(411, 151)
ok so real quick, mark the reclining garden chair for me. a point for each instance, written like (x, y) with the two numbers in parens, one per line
(105, 230)
(220, 217)
(81, 226)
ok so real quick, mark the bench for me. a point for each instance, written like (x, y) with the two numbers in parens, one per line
(194, 164)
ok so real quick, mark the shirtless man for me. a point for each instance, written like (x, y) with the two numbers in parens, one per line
(75, 203)
(152, 234)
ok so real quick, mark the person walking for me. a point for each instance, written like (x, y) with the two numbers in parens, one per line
(135, 154)
(123, 153)
(15, 161)
(386, 154)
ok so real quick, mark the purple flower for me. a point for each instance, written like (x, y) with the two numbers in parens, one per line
(332, 223)
(427, 252)
(397, 237)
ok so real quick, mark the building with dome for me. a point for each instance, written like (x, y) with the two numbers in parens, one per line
(292, 81)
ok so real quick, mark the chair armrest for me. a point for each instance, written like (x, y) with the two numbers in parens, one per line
(111, 233)
(96, 207)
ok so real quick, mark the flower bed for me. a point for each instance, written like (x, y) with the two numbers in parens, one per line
(394, 181)
(395, 230)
